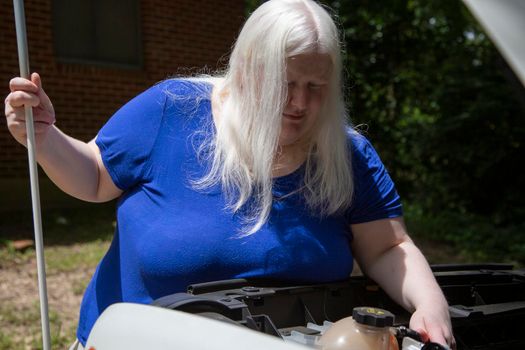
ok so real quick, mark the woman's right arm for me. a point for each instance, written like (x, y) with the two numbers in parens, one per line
(75, 166)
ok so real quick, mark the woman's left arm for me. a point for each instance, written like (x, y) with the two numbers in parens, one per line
(386, 254)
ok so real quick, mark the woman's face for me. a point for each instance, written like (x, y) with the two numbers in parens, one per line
(307, 77)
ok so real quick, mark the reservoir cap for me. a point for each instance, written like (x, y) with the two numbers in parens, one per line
(372, 316)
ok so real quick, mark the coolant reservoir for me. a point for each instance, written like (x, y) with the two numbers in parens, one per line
(367, 329)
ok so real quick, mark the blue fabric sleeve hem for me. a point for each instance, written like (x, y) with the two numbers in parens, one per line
(390, 215)
(375, 196)
(114, 176)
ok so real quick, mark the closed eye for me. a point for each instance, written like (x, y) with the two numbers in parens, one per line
(315, 86)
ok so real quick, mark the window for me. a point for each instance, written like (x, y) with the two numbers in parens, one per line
(105, 32)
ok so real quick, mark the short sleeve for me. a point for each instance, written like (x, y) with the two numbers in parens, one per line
(126, 140)
(375, 195)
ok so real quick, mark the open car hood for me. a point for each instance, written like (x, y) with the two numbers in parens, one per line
(504, 22)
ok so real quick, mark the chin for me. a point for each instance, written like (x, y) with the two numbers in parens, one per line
(290, 134)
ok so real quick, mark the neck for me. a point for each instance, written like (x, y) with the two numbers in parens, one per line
(288, 159)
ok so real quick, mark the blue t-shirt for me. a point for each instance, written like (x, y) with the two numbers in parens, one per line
(170, 235)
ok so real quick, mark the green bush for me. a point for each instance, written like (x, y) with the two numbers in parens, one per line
(475, 237)
(439, 103)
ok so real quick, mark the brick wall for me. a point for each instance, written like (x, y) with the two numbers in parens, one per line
(176, 36)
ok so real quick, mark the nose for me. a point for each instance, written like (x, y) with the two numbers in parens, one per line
(298, 98)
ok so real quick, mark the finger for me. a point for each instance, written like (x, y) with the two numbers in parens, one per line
(23, 84)
(22, 98)
(436, 334)
(453, 344)
(423, 334)
(15, 117)
(449, 337)
(17, 128)
(18, 115)
(446, 331)
(35, 78)
(39, 125)
(14, 114)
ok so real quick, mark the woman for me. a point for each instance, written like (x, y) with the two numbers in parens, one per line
(246, 175)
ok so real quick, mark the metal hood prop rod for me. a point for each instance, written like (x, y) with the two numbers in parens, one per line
(23, 59)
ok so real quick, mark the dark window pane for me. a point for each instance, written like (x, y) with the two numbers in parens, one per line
(97, 31)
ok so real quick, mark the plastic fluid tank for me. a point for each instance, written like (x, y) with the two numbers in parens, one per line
(367, 329)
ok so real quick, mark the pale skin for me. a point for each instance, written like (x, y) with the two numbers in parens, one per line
(88, 179)
(383, 248)
(307, 79)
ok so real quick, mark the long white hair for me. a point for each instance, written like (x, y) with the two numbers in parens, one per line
(245, 143)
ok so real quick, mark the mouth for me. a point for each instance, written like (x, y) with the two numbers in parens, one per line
(294, 117)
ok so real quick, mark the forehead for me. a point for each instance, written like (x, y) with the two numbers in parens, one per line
(318, 65)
